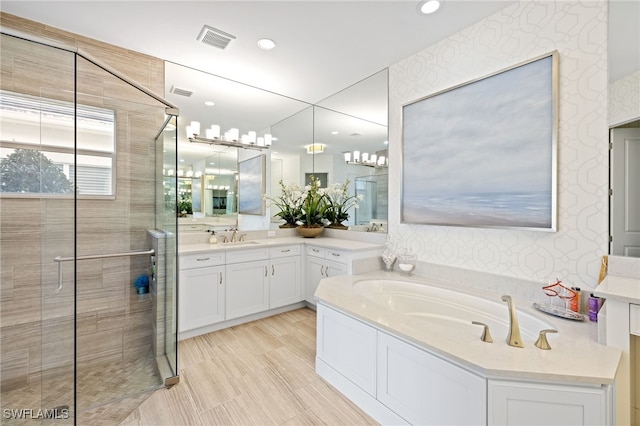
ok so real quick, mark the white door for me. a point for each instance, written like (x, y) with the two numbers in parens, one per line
(625, 192)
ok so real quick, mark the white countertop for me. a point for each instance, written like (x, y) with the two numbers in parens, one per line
(626, 290)
(327, 242)
(575, 357)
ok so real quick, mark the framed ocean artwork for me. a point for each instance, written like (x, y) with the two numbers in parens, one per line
(483, 153)
(252, 185)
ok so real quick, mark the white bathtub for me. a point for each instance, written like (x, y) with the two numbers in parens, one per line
(447, 307)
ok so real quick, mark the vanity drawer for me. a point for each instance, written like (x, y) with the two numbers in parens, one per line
(192, 261)
(192, 227)
(284, 251)
(315, 251)
(247, 255)
(339, 256)
(634, 319)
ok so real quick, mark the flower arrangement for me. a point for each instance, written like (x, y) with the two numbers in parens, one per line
(289, 203)
(339, 202)
(313, 205)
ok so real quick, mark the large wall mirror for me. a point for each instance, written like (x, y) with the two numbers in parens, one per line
(624, 65)
(307, 140)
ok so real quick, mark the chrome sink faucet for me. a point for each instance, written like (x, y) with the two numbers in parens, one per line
(513, 339)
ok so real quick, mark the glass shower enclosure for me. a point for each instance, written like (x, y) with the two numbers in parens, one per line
(87, 237)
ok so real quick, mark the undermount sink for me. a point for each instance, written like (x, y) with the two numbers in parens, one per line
(240, 243)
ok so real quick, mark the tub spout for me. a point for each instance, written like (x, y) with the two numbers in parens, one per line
(513, 339)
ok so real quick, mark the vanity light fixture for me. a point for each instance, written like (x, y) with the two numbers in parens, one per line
(316, 148)
(428, 6)
(364, 159)
(231, 137)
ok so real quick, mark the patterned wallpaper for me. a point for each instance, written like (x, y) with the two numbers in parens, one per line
(624, 99)
(578, 31)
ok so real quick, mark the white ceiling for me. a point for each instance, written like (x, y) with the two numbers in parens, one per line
(322, 46)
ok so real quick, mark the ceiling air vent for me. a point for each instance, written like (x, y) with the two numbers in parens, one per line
(181, 92)
(214, 37)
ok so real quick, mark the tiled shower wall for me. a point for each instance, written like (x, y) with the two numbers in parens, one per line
(114, 322)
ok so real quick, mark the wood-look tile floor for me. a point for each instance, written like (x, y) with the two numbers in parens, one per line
(259, 373)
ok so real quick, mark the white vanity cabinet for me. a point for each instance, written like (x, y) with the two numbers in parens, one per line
(262, 279)
(518, 403)
(323, 263)
(202, 291)
(247, 282)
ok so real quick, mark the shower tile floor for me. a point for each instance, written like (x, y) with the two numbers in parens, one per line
(123, 384)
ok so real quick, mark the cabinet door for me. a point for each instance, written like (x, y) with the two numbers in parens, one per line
(427, 390)
(201, 297)
(517, 403)
(315, 272)
(318, 269)
(284, 282)
(333, 269)
(348, 346)
(247, 288)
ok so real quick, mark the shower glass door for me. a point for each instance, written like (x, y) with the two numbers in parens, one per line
(115, 173)
(37, 212)
(79, 182)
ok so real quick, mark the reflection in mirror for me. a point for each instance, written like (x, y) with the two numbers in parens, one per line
(624, 117)
(292, 135)
(213, 100)
(342, 136)
(351, 127)
(366, 100)
(354, 119)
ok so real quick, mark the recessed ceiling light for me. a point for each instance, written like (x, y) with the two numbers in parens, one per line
(209, 103)
(335, 132)
(266, 44)
(428, 6)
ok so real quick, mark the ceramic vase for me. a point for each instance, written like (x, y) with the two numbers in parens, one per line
(310, 231)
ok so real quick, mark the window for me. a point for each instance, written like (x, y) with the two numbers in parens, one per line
(37, 143)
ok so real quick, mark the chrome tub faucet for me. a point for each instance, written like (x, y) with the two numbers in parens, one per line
(513, 339)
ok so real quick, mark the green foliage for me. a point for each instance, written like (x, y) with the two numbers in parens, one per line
(339, 202)
(184, 206)
(30, 171)
(289, 203)
(314, 204)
